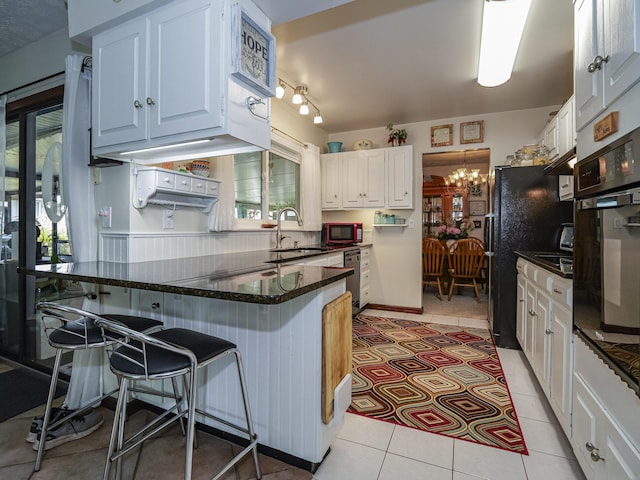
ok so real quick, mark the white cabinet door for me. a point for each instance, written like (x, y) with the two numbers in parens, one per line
(363, 179)
(530, 323)
(185, 80)
(565, 187)
(622, 45)
(400, 177)
(561, 357)
(521, 312)
(541, 341)
(374, 191)
(331, 181)
(353, 170)
(602, 450)
(119, 113)
(566, 127)
(551, 137)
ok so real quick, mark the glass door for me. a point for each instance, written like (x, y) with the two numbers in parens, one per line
(34, 224)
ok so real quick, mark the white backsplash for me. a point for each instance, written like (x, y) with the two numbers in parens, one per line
(143, 247)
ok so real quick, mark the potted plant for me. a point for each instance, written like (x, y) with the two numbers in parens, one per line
(397, 136)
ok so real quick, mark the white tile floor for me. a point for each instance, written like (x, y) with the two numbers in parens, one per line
(367, 449)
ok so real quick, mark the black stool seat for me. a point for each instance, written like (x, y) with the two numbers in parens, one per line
(84, 331)
(160, 361)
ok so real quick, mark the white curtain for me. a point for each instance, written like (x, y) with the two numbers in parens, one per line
(221, 217)
(88, 368)
(310, 188)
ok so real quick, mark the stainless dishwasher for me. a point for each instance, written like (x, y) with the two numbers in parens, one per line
(352, 260)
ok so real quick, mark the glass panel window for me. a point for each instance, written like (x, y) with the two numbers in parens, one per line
(284, 185)
(248, 185)
(265, 182)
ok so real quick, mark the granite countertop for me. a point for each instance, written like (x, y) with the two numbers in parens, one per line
(255, 277)
(563, 269)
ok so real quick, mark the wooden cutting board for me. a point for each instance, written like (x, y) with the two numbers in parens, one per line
(336, 349)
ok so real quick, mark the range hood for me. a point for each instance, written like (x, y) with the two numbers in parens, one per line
(560, 166)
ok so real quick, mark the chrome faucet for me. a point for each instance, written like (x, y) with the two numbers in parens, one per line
(279, 237)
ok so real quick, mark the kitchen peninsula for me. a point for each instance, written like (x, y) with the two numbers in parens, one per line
(270, 307)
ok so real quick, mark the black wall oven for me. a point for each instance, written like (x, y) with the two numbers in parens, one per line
(606, 268)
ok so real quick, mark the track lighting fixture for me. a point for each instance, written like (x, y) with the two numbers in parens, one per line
(280, 89)
(300, 97)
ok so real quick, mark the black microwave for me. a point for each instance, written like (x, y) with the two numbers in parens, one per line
(612, 168)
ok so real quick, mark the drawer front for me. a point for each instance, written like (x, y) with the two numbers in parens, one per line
(562, 291)
(364, 296)
(183, 184)
(198, 186)
(212, 188)
(166, 181)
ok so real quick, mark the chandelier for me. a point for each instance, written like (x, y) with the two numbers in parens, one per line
(470, 179)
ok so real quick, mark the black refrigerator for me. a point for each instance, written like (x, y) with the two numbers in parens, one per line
(524, 214)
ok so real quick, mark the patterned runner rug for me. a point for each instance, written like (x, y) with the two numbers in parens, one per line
(438, 378)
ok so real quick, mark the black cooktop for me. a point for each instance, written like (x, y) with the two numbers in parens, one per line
(557, 262)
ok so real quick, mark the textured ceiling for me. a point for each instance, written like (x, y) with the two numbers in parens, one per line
(25, 21)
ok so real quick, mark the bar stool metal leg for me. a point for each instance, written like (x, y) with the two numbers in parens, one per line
(47, 411)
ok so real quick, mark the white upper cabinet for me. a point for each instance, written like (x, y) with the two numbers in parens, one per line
(364, 181)
(400, 177)
(368, 179)
(164, 79)
(606, 54)
(567, 127)
(331, 173)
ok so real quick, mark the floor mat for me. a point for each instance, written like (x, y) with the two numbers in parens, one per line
(22, 390)
(438, 378)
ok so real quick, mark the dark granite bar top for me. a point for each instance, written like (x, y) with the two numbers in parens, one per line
(254, 277)
(560, 263)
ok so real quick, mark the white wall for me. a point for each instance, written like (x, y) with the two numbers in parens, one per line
(396, 266)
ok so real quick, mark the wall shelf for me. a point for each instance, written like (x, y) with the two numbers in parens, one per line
(389, 224)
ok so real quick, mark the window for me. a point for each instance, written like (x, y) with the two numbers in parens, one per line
(265, 182)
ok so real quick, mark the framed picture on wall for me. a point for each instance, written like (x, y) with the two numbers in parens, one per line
(477, 208)
(442, 135)
(472, 132)
(477, 224)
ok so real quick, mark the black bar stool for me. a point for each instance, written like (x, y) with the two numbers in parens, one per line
(169, 353)
(77, 331)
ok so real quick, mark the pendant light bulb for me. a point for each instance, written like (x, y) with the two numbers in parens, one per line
(317, 118)
(298, 93)
(280, 90)
(304, 108)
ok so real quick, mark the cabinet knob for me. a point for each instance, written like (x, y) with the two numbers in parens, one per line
(150, 101)
(167, 180)
(521, 300)
(595, 456)
(548, 331)
(589, 446)
(532, 313)
(155, 305)
(137, 104)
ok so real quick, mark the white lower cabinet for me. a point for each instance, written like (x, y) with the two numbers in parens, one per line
(327, 260)
(606, 425)
(544, 328)
(365, 274)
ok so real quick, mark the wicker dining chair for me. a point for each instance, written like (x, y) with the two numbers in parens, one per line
(433, 255)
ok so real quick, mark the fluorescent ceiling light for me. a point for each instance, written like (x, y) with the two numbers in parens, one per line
(502, 25)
